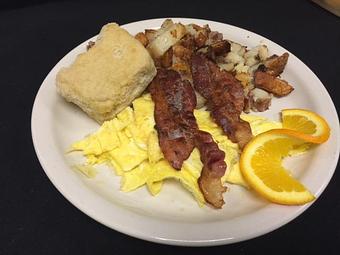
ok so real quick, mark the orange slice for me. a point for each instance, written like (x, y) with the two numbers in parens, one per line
(261, 159)
(261, 166)
(307, 125)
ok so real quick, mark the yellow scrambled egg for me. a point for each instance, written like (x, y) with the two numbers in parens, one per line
(129, 143)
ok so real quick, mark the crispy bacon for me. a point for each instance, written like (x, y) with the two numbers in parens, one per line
(225, 98)
(178, 133)
(175, 101)
(214, 168)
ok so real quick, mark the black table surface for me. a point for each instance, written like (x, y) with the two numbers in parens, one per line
(36, 219)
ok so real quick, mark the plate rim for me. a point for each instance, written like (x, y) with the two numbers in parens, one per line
(172, 241)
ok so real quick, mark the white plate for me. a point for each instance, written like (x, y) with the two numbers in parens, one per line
(173, 217)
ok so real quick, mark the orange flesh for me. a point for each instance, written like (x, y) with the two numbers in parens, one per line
(299, 123)
(267, 165)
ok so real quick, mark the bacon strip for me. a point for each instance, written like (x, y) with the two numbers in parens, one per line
(175, 101)
(225, 98)
(178, 133)
(214, 168)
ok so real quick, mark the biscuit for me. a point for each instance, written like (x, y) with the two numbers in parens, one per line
(109, 76)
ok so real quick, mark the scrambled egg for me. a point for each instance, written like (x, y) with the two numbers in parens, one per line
(129, 144)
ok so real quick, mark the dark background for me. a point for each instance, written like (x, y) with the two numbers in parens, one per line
(36, 219)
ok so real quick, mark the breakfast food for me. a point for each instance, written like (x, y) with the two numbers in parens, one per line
(261, 166)
(213, 169)
(309, 126)
(257, 71)
(225, 98)
(189, 123)
(261, 160)
(166, 37)
(109, 76)
(175, 102)
(178, 132)
(129, 143)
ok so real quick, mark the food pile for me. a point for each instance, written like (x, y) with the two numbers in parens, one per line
(189, 121)
(257, 71)
(129, 143)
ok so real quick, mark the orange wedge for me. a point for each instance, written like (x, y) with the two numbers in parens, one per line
(261, 159)
(261, 166)
(307, 125)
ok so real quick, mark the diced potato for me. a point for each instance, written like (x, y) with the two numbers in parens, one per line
(166, 24)
(237, 48)
(244, 78)
(241, 68)
(228, 67)
(252, 53)
(253, 68)
(252, 61)
(164, 41)
(263, 52)
(142, 38)
(234, 58)
(152, 34)
(191, 29)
